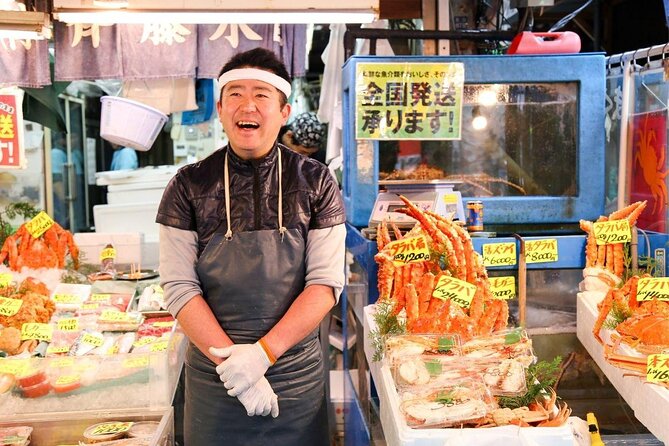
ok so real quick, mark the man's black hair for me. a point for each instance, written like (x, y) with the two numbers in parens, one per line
(258, 58)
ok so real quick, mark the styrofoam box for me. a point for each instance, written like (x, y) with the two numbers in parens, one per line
(135, 192)
(127, 217)
(128, 246)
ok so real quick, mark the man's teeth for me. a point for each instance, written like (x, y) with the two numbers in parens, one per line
(248, 124)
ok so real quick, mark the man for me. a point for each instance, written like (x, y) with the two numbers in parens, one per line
(124, 158)
(251, 260)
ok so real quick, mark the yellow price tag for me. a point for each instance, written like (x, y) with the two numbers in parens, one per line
(136, 363)
(16, 367)
(69, 324)
(650, 288)
(499, 254)
(90, 306)
(164, 324)
(91, 339)
(108, 253)
(612, 232)
(65, 380)
(111, 428)
(657, 368)
(57, 350)
(146, 340)
(9, 306)
(5, 279)
(39, 224)
(159, 346)
(41, 332)
(66, 298)
(541, 251)
(409, 250)
(503, 287)
(450, 288)
(62, 363)
(100, 297)
(114, 316)
(450, 198)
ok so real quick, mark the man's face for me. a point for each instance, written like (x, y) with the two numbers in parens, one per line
(252, 115)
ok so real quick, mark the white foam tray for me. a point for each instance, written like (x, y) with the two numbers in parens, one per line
(649, 402)
(398, 433)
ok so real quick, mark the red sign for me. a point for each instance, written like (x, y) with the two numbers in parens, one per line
(11, 127)
(649, 170)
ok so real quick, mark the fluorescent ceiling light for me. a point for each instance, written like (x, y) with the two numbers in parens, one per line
(216, 16)
(25, 25)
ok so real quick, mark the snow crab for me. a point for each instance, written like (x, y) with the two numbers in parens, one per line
(543, 412)
(46, 251)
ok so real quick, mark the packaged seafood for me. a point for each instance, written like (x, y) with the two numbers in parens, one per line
(511, 343)
(400, 346)
(15, 436)
(106, 431)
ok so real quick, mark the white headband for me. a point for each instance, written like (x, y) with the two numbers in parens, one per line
(256, 74)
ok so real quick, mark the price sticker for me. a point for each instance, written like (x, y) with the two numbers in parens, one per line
(541, 251)
(108, 253)
(9, 306)
(159, 346)
(612, 232)
(62, 363)
(41, 332)
(503, 287)
(445, 344)
(409, 250)
(5, 279)
(57, 349)
(146, 340)
(433, 367)
(657, 368)
(66, 380)
(67, 298)
(69, 324)
(92, 339)
(90, 306)
(136, 363)
(499, 254)
(164, 324)
(16, 367)
(450, 288)
(111, 428)
(114, 316)
(39, 224)
(650, 288)
(100, 298)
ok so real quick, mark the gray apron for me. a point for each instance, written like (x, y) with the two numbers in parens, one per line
(249, 281)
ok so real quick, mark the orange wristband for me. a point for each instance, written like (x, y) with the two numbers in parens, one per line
(268, 352)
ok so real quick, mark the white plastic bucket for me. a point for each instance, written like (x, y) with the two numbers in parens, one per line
(130, 123)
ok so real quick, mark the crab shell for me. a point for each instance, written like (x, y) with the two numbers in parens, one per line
(649, 329)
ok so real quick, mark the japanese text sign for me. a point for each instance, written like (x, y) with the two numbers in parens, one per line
(503, 287)
(39, 224)
(409, 100)
(11, 132)
(499, 254)
(9, 306)
(33, 330)
(454, 289)
(650, 288)
(409, 250)
(657, 368)
(611, 232)
(540, 251)
(5, 279)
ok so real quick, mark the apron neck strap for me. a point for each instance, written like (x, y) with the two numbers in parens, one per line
(226, 176)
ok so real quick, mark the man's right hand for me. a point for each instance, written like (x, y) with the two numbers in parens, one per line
(260, 399)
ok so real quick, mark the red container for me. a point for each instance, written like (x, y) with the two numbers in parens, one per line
(545, 43)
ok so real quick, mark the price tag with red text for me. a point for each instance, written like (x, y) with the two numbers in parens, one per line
(657, 368)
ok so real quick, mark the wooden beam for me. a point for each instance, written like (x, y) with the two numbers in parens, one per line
(400, 9)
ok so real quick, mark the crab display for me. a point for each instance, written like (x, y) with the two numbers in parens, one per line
(46, 251)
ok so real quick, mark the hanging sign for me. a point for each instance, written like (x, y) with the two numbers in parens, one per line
(409, 100)
(12, 154)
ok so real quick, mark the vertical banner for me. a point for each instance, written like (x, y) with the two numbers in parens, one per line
(11, 130)
(409, 100)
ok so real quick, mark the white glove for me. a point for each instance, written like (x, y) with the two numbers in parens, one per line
(260, 399)
(243, 365)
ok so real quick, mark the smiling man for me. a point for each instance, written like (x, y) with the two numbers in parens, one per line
(251, 260)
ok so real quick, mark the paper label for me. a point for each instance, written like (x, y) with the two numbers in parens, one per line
(90, 306)
(499, 254)
(16, 367)
(657, 368)
(108, 253)
(136, 363)
(409, 250)
(57, 350)
(456, 290)
(99, 298)
(164, 324)
(39, 224)
(650, 288)
(9, 306)
(146, 340)
(541, 251)
(111, 428)
(612, 232)
(62, 363)
(5, 279)
(66, 380)
(69, 324)
(159, 346)
(91, 339)
(503, 287)
(114, 316)
(66, 298)
(41, 332)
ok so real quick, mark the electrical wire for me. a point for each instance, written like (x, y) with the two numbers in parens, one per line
(566, 19)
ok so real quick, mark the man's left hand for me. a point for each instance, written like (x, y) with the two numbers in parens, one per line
(243, 365)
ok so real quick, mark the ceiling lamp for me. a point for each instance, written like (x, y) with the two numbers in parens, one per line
(25, 25)
(213, 11)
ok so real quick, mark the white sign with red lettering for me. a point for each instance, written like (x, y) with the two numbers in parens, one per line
(11, 130)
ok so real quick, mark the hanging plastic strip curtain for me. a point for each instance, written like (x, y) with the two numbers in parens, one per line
(614, 91)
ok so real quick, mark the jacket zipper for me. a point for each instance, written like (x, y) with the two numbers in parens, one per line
(256, 198)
